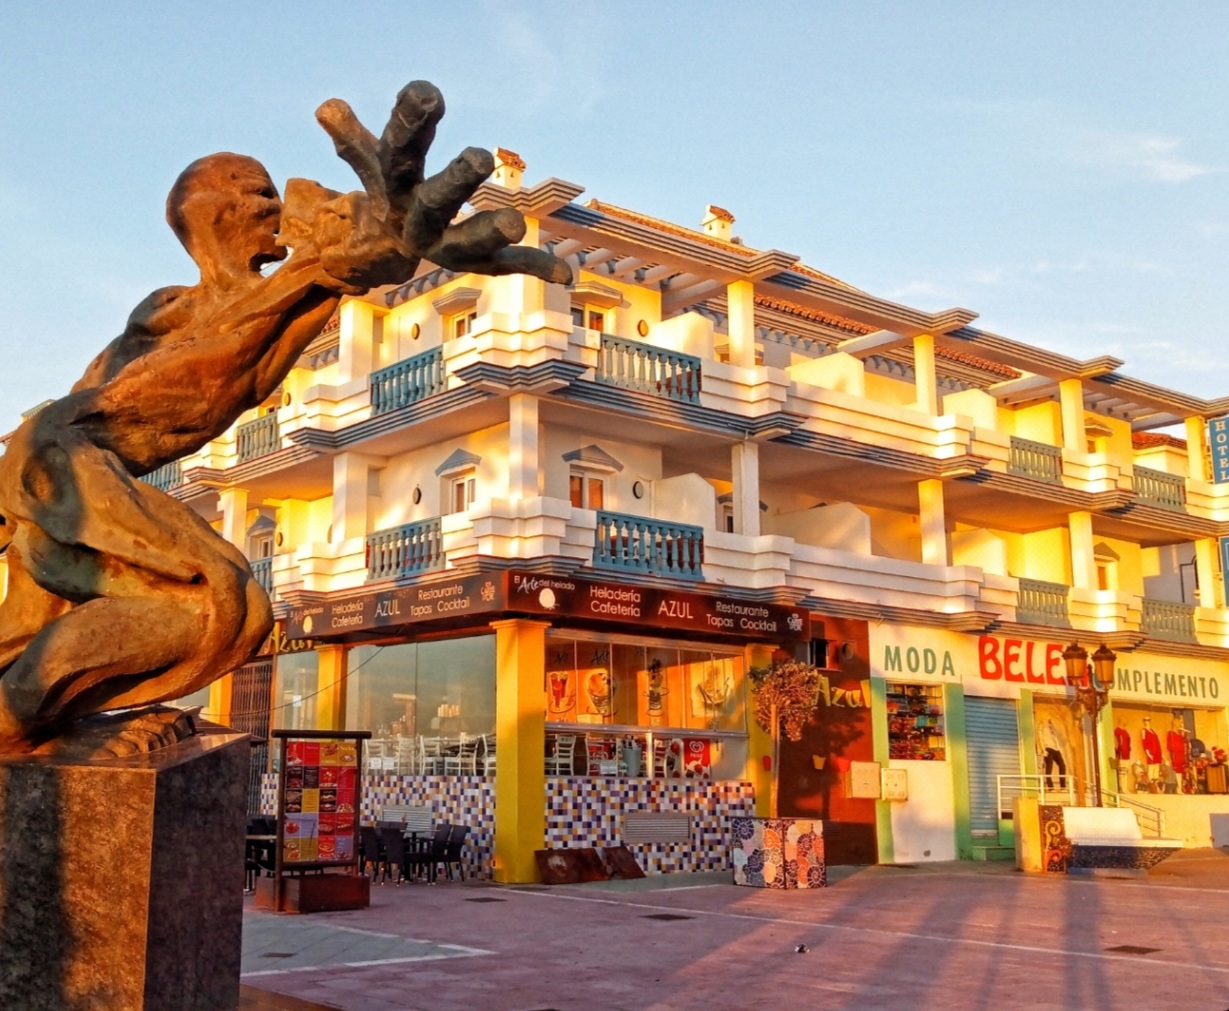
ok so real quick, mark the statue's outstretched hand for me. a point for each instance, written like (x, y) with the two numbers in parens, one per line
(379, 237)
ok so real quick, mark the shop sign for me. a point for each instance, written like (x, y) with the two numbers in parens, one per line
(660, 608)
(849, 698)
(912, 660)
(279, 642)
(1196, 687)
(404, 605)
(1020, 660)
(1218, 440)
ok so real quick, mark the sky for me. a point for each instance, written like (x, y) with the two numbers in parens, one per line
(1060, 168)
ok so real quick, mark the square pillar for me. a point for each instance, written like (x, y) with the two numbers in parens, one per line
(522, 447)
(331, 688)
(933, 522)
(351, 496)
(1196, 448)
(1083, 558)
(745, 463)
(519, 294)
(740, 297)
(925, 382)
(520, 729)
(233, 503)
(355, 340)
(1205, 570)
(1071, 404)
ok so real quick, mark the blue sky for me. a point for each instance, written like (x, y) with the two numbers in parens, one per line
(1062, 169)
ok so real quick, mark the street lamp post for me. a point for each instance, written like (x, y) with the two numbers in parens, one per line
(1092, 683)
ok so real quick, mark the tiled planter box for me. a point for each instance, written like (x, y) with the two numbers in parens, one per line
(778, 852)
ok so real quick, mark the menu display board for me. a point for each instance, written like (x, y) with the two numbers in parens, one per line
(320, 802)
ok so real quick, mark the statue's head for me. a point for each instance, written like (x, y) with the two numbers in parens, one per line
(226, 211)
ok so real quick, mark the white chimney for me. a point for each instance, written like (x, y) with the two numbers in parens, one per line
(508, 168)
(718, 222)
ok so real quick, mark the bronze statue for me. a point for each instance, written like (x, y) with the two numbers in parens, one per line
(119, 596)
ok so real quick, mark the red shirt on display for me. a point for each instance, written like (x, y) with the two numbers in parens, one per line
(1152, 746)
(1122, 742)
(1176, 742)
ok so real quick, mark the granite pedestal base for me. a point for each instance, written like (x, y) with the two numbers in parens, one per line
(121, 881)
(315, 893)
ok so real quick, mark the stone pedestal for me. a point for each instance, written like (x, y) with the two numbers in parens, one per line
(779, 852)
(121, 881)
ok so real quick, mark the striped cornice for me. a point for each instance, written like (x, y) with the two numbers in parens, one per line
(955, 621)
(536, 201)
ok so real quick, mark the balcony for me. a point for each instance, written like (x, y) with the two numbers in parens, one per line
(638, 544)
(262, 572)
(1158, 488)
(631, 365)
(166, 477)
(258, 438)
(405, 550)
(407, 382)
(1038, 460)
(1041, 603)
(1165, 619)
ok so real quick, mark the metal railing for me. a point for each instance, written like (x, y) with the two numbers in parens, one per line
(262, 572)
(1038, 460)
(408, 381)
(1041, 603)
(635, 366)
(405, 550)
(1166, 619)
(639, 544)
(1159, 488)
(1151, 819)
(258, 438)
(166, 477)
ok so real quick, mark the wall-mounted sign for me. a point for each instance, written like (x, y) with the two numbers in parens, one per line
(1218, 440)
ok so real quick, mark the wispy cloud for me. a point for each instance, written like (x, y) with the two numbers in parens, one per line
(1147, 156)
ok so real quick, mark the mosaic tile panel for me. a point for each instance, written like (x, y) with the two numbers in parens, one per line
(1055, 846)
(779, 853)
(589, 812)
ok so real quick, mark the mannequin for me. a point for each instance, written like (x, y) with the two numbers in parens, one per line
(1176, 745)
(1150, 744)
(1122, 752)
(1049, 744)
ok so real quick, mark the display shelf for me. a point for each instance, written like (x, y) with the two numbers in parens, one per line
(915, 722)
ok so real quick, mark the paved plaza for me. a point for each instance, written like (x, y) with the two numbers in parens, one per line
(959, 935)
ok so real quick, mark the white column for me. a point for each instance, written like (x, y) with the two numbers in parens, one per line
(740, 296)
(745, 462)
(355, 349)
(933, 522)
(1083, 559)
(520, 294)
(1196, 435)
(1071, 403)
(522, 447)
(234, 505)
(351, 496)
(925, 383)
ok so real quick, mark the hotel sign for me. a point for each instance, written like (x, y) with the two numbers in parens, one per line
(1218, 440)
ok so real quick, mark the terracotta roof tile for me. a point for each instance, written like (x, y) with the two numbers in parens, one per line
(1148, 440)
(849, 326)
(985, 365)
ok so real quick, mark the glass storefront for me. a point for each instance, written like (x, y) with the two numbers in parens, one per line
(638, 707)
(297, 685)
(440, 688)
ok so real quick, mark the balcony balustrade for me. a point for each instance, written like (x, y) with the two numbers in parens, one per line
(638, 544)
(166, 477)
(258, 438)
(405, 550)
(407, 382)
(1159, 488)
(1166, 619)
(1038, 460)
(1041, 603)
(631, 365)
(262, 572)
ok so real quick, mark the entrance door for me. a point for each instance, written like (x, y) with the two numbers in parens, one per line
(250, 698)
(994, 750)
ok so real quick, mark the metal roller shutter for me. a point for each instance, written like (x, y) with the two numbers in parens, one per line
(994, 750)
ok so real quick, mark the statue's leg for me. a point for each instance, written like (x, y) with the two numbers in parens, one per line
(25, 610)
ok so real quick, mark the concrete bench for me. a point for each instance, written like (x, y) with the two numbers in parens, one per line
(411, 819)
(1109, 838)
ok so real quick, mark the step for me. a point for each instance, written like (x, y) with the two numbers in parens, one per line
(993, 852)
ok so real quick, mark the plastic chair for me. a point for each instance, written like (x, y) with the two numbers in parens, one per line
(452, 850)
(562, 757)
(371, 850)
(486, 754)
(464, 759)
(432, 854)
(430, 755)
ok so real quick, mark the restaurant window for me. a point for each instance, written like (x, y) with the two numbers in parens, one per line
(442, 688)
(461, 492)
(462, 324)
(297, 682)
(592, 319)
(915, 722)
